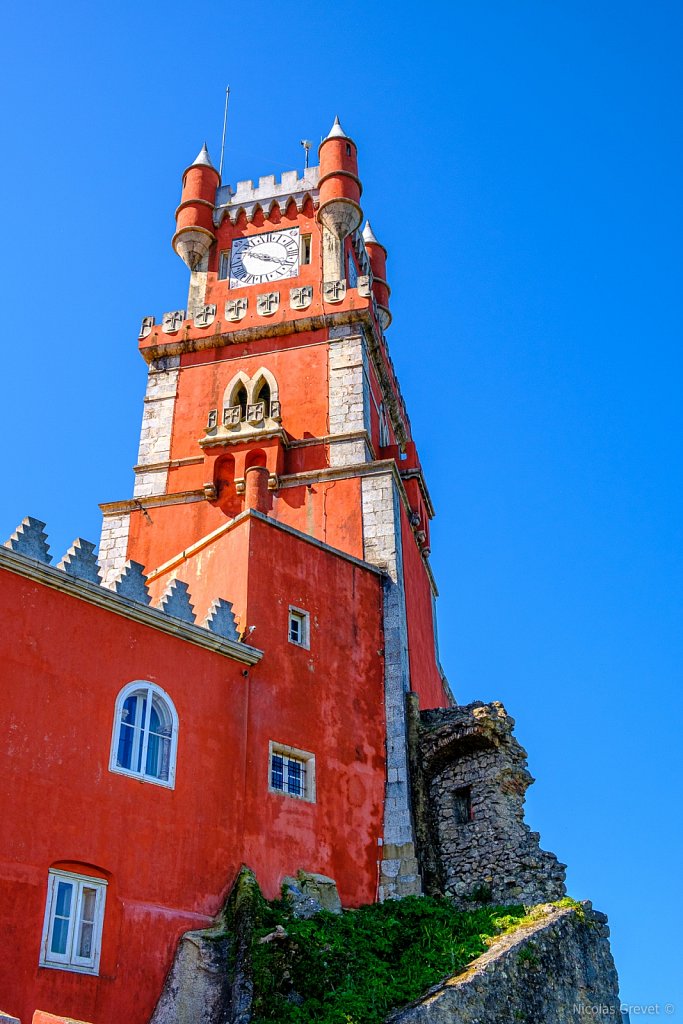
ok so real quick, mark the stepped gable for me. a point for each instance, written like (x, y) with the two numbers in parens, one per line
(176, 602)
(132, 583)
(220, 619)
(29, 539)
(81, 561)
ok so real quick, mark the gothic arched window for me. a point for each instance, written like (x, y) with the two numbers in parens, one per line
(145, 734)
(263, 395)
(241, 400)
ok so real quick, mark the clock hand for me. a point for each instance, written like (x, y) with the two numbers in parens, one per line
(269, 259)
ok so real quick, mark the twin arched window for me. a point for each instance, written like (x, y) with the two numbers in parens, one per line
(145, 734)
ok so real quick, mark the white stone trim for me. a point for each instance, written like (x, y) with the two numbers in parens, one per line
(113, 549)
(349, 398)
(157, 425)
(381, 507)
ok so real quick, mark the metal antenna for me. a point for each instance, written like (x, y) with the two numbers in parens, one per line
(225, 124)
(306, 143)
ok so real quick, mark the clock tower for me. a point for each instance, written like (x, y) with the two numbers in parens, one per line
(272, 398)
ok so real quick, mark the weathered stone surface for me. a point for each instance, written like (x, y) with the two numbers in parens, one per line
(474, 844)
(310, 893)
(210, 981)
(557, 969)
(197, 989)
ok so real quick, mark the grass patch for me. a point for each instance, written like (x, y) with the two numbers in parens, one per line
(355, 967)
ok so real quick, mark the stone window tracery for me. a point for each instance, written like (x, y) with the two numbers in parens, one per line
(250, 404)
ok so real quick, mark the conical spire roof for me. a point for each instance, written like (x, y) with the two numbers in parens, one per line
(203, 158)
(369, 235)
(337, 131)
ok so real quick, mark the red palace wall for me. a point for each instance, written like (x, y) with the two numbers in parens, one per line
(170, 855)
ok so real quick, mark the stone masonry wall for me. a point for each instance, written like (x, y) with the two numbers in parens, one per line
(382, 547)
(474, 778)
(349, 398)
(113, 546)
(157, 424)
(559, 969)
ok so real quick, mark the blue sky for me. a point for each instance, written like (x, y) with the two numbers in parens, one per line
(522, 163)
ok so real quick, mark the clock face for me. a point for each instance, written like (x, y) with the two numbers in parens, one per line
(271, 256)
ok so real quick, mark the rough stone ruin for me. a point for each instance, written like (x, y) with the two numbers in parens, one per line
(470, 778)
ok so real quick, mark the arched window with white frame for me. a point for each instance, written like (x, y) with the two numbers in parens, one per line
(145, 734)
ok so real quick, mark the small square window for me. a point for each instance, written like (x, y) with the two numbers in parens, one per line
(292, 772)
(305, 254)
(224, 265)
(74, 914)
(298, 630)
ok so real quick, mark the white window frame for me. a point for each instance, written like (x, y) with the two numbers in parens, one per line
(152, 691)
(304, 620)
(293, 754)
(70, 960)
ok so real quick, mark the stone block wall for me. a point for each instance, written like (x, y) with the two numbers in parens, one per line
(349, 398)
(382, 547)
(157, 424)
(471, 783)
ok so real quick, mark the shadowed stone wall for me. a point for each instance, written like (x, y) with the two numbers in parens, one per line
(470, 780)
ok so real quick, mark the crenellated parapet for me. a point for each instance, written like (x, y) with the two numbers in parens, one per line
(80, 573)
(249, 199)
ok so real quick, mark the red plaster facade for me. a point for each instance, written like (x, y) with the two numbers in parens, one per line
(313, 500)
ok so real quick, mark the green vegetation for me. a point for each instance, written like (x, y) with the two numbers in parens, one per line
(353, 968)
(528, 955)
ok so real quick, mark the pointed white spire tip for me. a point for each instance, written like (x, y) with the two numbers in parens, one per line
(369, 234)
(203, 158)
(337, 131)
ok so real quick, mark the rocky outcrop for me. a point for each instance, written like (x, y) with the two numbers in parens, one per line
(556, 969)
(210, 981)
(309, 893)
(470, 778)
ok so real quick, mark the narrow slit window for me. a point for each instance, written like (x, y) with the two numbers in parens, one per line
(305, 249)
(224, 266)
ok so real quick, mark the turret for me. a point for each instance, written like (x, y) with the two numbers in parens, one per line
(194, 217)
(377, 255)
(339, 211)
